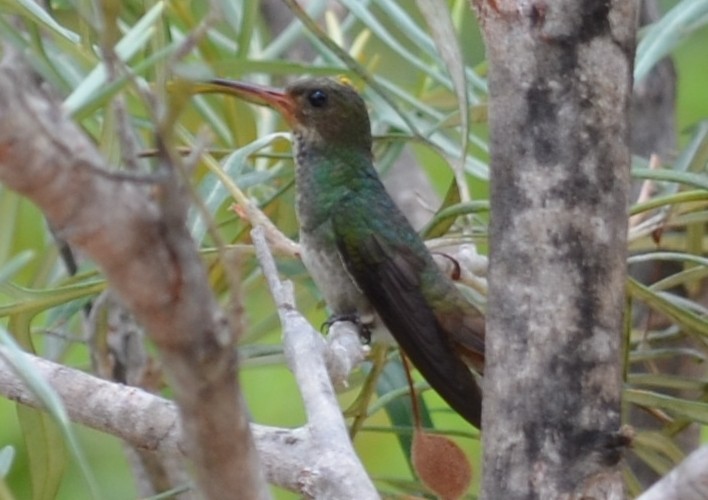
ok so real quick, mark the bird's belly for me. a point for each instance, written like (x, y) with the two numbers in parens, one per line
(337, 286)
(331, 277)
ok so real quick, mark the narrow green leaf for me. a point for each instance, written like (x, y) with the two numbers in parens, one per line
(428, 122)
(134, 40)
(392, 151)
(34, 12)
(437, 15)
(641, 355)
(321, 40)
(668, 256)
(662, 174)
(439, 226)
(45, 434)
(289, 36)
(175, 492)
(449, 214)
(663, 36)
(84, 107)
(657, 301)
(667, 381)
(689, 219)
(693, 275)
(233, 66)
(660, 443)
(408, 26)
(671, 199)
(656, 451)
(29, 301)
(634, 487)
(16, 263)
(249, 20)
(696, 411)
(365, 15)
(10, 203)
(400, 16)
(46, 451)
(214, 193)
(694, 156)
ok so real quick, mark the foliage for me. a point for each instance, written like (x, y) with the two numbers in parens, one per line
(111, 61)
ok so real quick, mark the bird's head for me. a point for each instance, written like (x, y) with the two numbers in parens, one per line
(319, 110)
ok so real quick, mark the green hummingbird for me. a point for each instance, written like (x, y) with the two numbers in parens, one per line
(366, 259)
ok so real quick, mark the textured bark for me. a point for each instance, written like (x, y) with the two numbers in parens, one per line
(137, 235)
(560, 81)
(119, 353)
(335, 472)
(312, 460)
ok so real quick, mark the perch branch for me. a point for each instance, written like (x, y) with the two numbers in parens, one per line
(148, 422)
(337, 472)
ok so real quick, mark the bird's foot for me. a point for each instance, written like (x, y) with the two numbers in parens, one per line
(355, 318)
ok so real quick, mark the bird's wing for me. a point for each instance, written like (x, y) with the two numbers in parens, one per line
(466, 328)
(391, 275)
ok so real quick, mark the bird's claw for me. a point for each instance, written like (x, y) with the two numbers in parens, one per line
(364, 330)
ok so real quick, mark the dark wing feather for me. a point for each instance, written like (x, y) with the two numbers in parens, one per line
(390, 276)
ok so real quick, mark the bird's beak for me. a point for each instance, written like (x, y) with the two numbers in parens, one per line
(256, 94)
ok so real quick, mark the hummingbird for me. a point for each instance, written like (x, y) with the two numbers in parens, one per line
(368, 262)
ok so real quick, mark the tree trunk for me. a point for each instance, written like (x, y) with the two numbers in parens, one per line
(560, 82)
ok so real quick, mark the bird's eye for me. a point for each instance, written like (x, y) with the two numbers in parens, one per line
(318, 98)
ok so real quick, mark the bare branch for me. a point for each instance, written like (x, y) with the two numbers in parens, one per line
(132, 414)
(302, 460)
(688, 481)
(119, 353)
(339, 471)
(134, 233)
(148, 422)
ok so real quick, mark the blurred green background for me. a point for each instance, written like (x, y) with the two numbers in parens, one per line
(241, 45)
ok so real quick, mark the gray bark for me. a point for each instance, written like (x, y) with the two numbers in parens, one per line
(311, 460)
(119, 353)
(560, 80)
(141, 242)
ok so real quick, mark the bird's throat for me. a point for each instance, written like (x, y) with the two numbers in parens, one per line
(325, 174)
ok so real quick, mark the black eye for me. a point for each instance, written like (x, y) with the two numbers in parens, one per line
(318, 98)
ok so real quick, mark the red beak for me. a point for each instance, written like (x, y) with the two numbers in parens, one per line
(257, 94)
